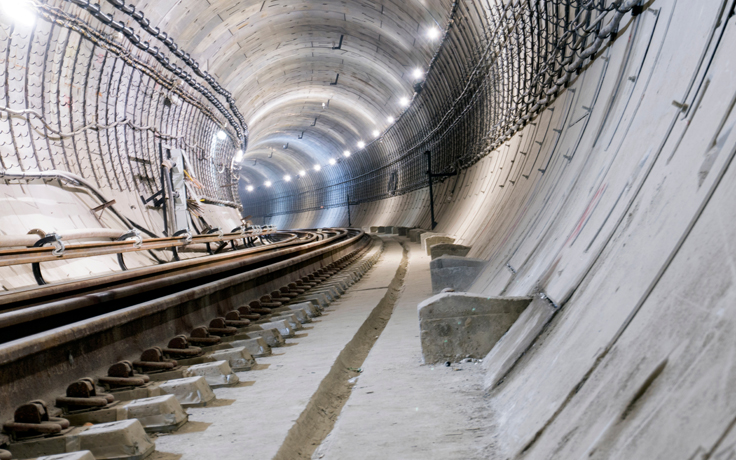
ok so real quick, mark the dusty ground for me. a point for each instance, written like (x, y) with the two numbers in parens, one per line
(395, 407)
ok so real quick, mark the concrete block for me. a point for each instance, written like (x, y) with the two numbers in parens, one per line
(448, 249)
(217, 374)
(374, 229)
(318, 297)
(257, 347)
(404, 231)
(381, 229)
(434, 238)
(292, 320)
(284, 328)
(299, 313)
(311, 310)
(160, 414)
(415, 234)
(238, 358)
(117, 440)
(454, 272)
(123, 440)
(272, 336)
(190, 392)
(458, 325)
(516, 341)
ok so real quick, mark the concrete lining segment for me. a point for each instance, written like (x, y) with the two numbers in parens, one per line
(282, 387)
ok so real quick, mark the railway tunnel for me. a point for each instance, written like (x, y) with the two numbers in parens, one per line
(403, 229)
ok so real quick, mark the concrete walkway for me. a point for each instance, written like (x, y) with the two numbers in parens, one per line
(263, 408)
(401, 409)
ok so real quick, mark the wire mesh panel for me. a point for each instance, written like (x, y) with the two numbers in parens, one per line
(84, 92)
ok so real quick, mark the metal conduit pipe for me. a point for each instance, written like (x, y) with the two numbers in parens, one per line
(67, 235)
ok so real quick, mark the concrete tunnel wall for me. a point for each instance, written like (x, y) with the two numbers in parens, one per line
(615, 203)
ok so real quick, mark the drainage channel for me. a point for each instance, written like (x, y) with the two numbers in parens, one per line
(319, 417)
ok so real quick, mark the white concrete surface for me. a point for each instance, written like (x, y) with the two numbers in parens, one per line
(269, 400)
(401, 409)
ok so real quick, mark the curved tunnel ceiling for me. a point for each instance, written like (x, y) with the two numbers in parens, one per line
(281, 59)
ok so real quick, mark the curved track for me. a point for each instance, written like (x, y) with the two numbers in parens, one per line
(75, 329)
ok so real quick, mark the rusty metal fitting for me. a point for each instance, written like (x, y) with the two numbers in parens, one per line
(246, 312)
(233, 318)
(295, 289)
(257, 306)
(122, 375)
(201, 336)
(178, 347)
(219, 326)
(153, 360)
(286, 292)
(32, 419)
(82, 396)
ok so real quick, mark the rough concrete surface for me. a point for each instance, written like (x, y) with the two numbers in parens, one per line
(448, 249)
(265, 405)
(458, 325)
(454, 272)
(401, 409)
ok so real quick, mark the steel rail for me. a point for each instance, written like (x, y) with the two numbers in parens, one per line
(61, 334)
(107, 295)
(20, 298)
(10, 257)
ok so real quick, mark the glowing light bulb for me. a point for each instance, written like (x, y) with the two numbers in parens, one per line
(404, 101)
(221, 135)
(268, 183)
(302, 173)
(418, 73)
(238, 156)
(333, 161)
(317, 167)
(19, 12)
(287, 178)
(249, 188)
(346, 153)
(361, 144)
(433, 33)
(390, 119)
(376, 133)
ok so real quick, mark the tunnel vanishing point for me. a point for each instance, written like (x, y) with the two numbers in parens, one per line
(367, 229)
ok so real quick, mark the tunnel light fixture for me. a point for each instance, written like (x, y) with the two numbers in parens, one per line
(361, 144)
(249, 188)
(390, 119)
(376, 133)
(268, 183)
(287, 178)
(317, 167)
(417, 73)
(333, 162)
(404, 101)
(346, 153)
(238, 156)
(19, 12)
(433, 33)
(302, 173)
(221, 135)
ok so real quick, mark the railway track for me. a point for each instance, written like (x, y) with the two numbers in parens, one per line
(53, 334)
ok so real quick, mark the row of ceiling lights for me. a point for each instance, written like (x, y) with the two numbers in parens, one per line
(433, 33)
